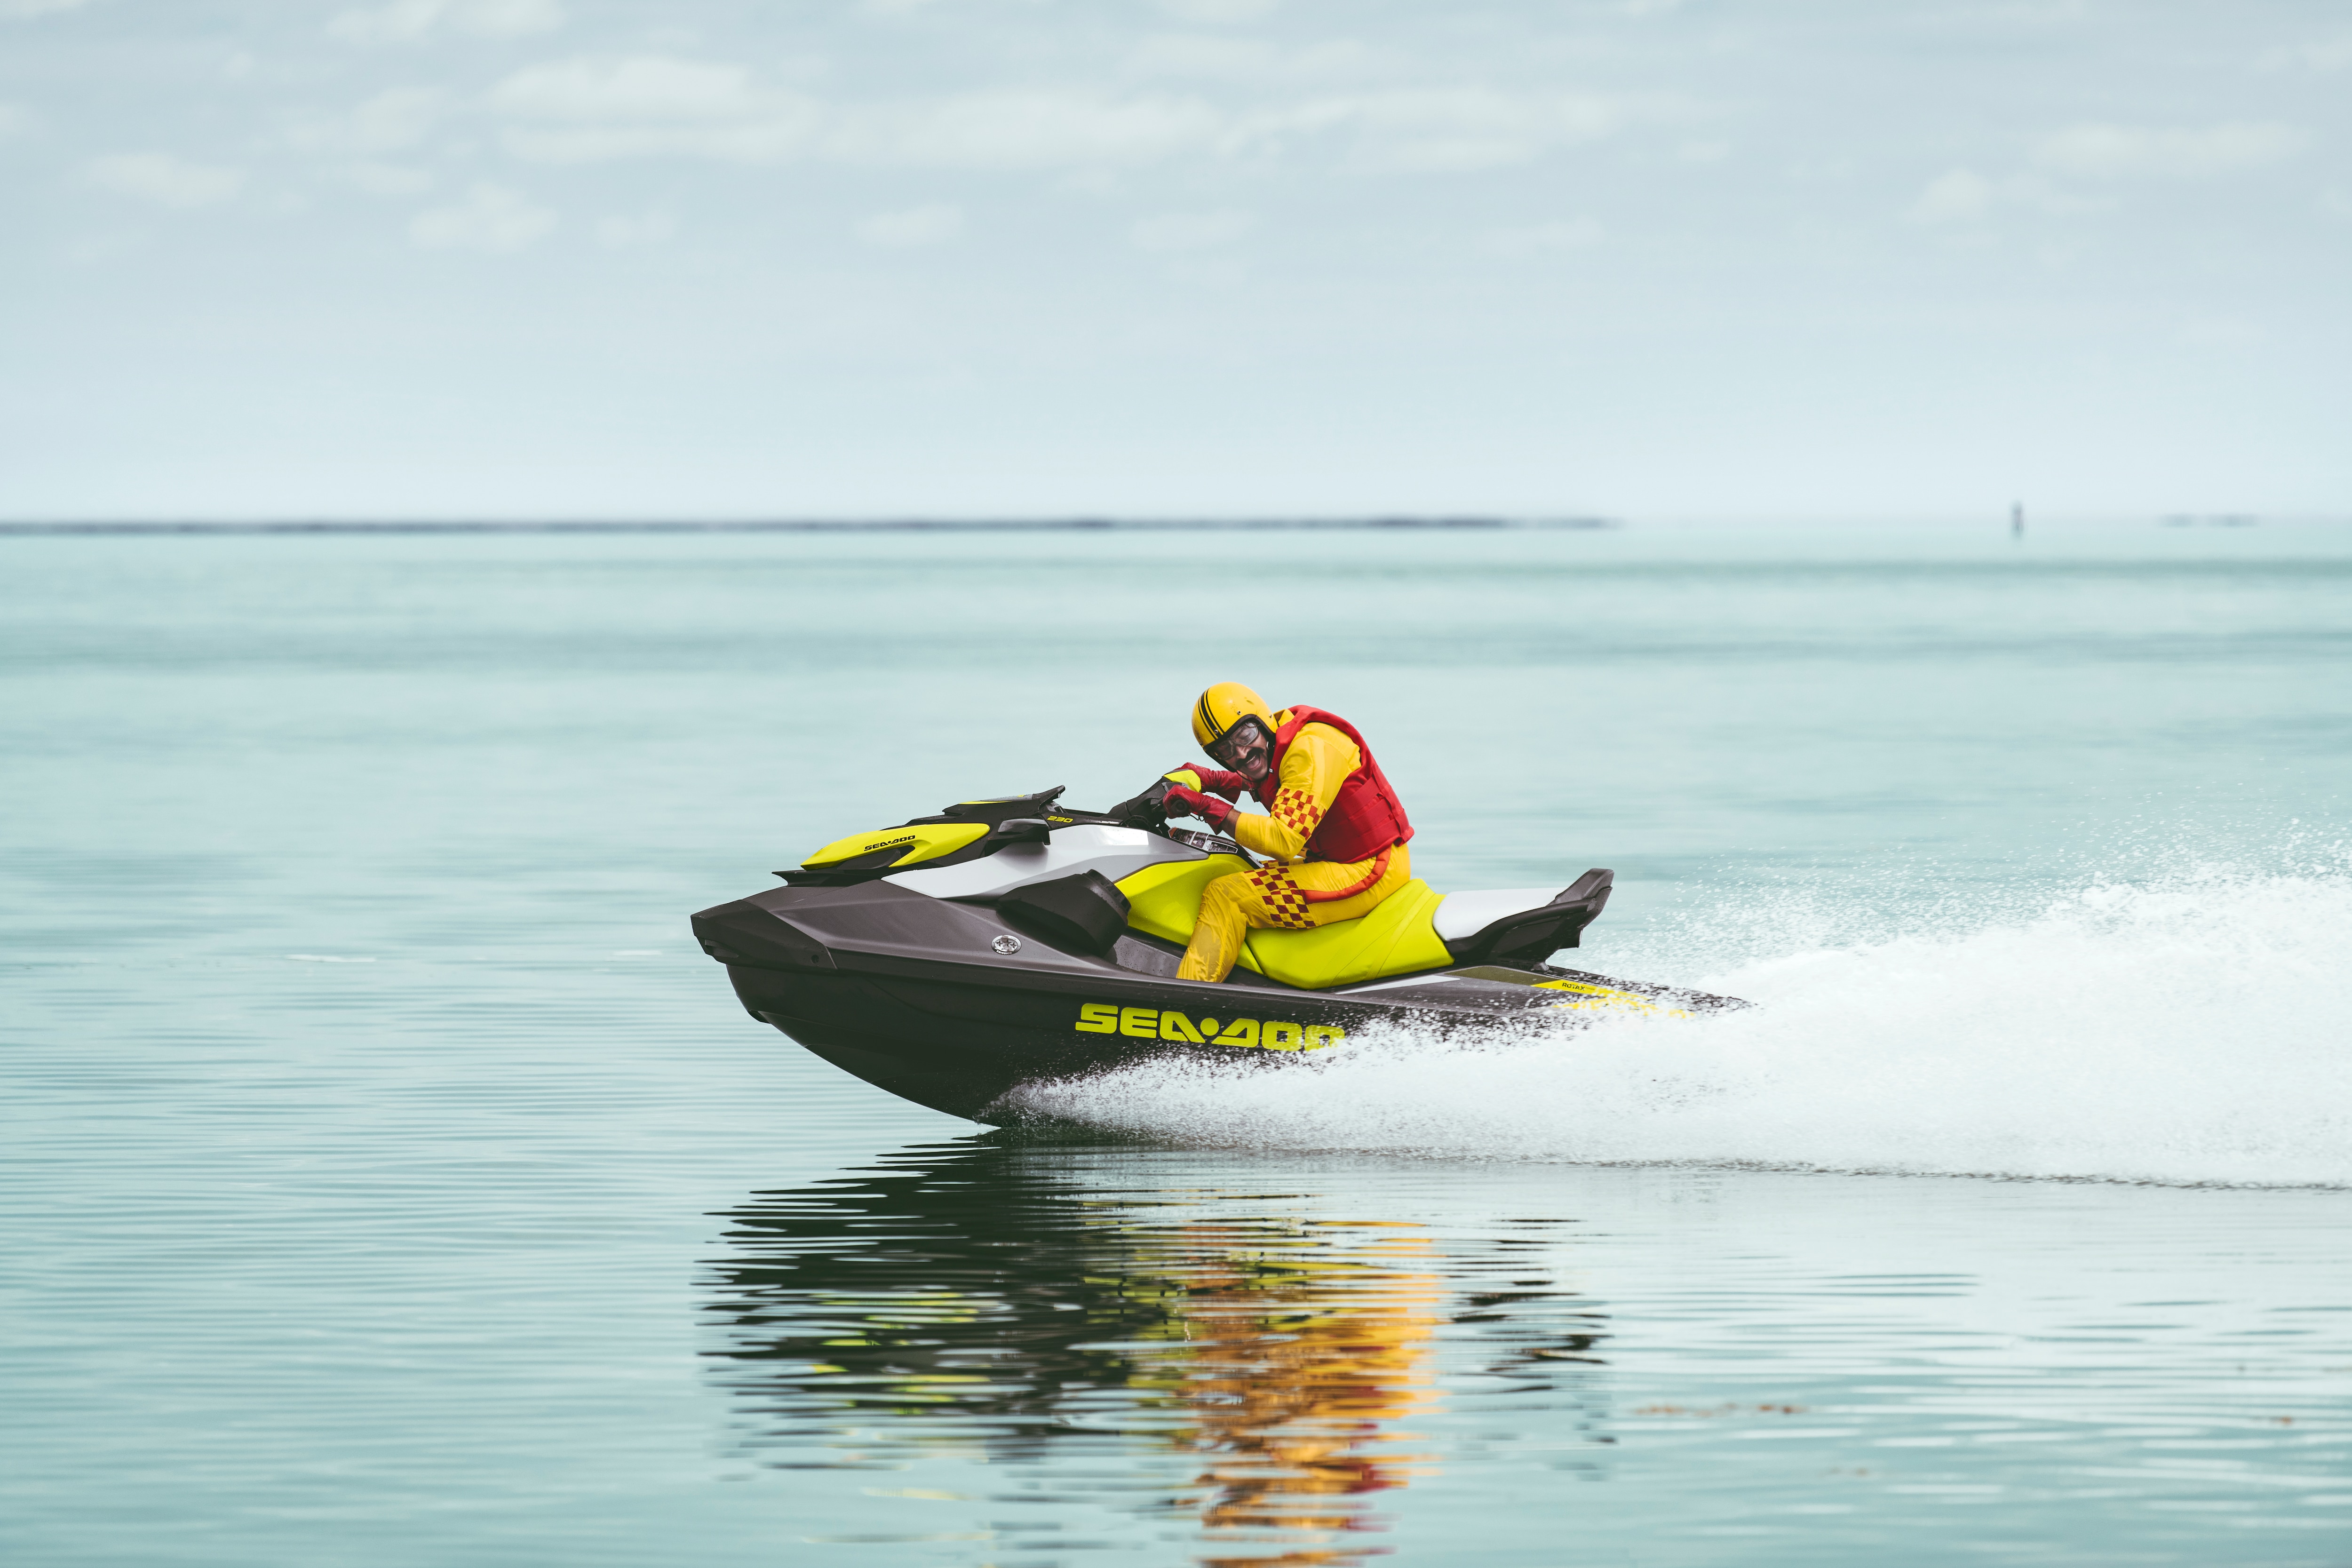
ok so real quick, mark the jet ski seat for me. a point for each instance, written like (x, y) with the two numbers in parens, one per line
(1414, 928)
(1519, 927)
(1395, 939)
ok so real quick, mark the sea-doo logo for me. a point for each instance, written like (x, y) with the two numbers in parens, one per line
(885, 843)
(1246, 1034)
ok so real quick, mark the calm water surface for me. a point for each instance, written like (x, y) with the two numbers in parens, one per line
(386, 1179)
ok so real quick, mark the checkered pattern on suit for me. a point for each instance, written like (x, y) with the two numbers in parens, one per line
(1295, 809)
(1284, 900)
(1276, 896)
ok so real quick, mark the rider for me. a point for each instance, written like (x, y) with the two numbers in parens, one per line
(1334, 843)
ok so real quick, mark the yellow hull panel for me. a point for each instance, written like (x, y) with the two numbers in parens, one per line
(924, 841)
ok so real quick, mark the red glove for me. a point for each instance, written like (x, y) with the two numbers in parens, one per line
(1181, 802)
(1213, 780)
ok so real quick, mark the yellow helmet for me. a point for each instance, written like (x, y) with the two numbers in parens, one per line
(1225, 705)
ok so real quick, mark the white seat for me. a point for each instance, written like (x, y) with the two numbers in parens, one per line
(1462, 915)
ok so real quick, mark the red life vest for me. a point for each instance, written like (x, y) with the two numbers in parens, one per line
(1364, 818)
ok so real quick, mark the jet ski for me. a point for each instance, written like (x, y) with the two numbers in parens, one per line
(956, 957)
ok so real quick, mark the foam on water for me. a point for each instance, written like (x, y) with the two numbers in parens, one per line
(2195, 1030)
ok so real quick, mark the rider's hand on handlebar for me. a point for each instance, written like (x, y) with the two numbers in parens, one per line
(1180, 801)
(1143, 810)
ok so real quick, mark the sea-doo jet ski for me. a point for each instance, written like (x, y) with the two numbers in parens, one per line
(955, 957)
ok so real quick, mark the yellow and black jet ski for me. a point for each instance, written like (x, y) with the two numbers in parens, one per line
(952, 958)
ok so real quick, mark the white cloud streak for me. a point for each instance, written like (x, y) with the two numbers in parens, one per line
(1444, 128)
(389, 179)
(407, 21)
(388, 123)
(935, 224)
(2321, 55)
(2085, 156)
(583, 111)
(1188, 231)
(1043, 128)
(1214, 12)
(24, 10)
(634, 232)
(166, 181)
(650, 88)
(1958, 196)
(2118, 151)
(1554, 238)
(491, 218)
(1218, 57)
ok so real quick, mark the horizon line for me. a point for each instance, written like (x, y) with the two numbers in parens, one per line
(1436, 522)
(791, 525)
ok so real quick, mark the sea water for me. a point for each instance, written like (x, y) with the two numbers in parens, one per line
(386, 1179)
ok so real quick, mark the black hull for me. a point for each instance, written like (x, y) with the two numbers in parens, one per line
(961, 1048)
(922, 998)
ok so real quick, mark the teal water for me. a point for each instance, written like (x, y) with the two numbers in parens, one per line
(386, 1179)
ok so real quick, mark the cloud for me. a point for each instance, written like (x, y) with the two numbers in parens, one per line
(1218, 57)
(2220, 332)
(1961, 198)
(933, 225)
(491, 218)
(2322, 55)
(164, 179)
(647, 88)
(585, 110)
(1217, 11)
(401, 118)
(625, 233)
(1542, 238)
(405, 21)
(1962, 195)
(27, 9)
(389, 179)
(1044, 128)
(2113, 152)
(385, 123)
(1188, 231)
(581, 110)
(12, 119)
(1958, 198)
(1440, 130)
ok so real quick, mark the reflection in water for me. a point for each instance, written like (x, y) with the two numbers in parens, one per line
(988, 1300)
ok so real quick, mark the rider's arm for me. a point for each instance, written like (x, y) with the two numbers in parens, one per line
(1318, 763)
(1209, 780)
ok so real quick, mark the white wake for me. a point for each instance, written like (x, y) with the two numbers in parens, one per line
(2198, 1030)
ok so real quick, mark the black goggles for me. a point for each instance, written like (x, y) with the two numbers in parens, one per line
(1246, 738)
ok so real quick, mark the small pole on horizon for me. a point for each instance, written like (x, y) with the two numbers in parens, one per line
(2017, 519)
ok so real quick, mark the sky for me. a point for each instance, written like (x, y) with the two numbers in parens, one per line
(724, 258)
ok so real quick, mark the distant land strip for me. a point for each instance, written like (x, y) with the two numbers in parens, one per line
(899, 525)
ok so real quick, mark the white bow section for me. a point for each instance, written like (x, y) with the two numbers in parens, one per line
(1116, 852)
(1466, 914)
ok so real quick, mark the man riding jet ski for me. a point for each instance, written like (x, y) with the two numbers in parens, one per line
(957, 957)
(1335, 834)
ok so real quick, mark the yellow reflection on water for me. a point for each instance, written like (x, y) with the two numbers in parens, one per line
(1040, 1331)
(1291, 1356)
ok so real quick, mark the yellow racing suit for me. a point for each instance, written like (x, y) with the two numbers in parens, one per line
(1318, 761)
